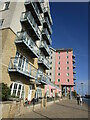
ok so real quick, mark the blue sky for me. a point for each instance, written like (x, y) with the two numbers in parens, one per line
(70, 30)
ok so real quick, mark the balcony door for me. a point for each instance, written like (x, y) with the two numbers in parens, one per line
(30, 93)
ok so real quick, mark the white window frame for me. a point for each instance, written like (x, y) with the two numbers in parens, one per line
(12, 89)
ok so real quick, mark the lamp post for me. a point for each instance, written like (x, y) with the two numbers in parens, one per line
(82, 88)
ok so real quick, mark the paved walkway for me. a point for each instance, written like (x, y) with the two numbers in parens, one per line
(62, 109)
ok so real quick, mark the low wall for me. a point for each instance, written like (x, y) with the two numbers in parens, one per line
(12, 109)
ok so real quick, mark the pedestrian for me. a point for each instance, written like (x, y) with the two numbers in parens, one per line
(78, 99)
(33, 103)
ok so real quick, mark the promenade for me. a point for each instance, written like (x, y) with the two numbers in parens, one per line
(63, 109)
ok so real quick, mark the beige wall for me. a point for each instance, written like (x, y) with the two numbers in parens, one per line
(12, 15)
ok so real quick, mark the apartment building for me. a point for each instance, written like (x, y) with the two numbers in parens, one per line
(62, 70)
(26, 29)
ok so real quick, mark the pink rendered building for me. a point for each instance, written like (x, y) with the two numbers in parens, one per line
(64, 70)
(61, 71)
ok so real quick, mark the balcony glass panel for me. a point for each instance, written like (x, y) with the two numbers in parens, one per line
(44, 44)
(49, 26)
(47, 34)
(44, 61)
(22, 65)
(28, 16)
(22, 36)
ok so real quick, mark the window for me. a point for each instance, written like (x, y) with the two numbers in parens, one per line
(47, 73)
(67, 62)
(58, 68)
(67, 80)
(59, 63)
(50, 73)
(51, 57)
(50, 62)
(67, 56)
(58, 80)
(59, 57)
(50, 67)
(67, 51)
(6, 5)
(17, 89)
(1, 22)
(67, 68)
(67, 74)
(59, 52)
(58, 74)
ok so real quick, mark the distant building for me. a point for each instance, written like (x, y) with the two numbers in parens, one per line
(61, 72)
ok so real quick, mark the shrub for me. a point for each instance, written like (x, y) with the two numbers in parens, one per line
(4, 92)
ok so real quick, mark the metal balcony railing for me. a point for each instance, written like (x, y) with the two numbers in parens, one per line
(23, 37)
(45, 20)
(34, 10)
(28, 16)
(42, 77)
(44, 61)
(73, 61)
(74, 72)
(74, 78)
(74, 67)
(41, 5)
(20, 65)
(73, 56)
(45, 32)
(45, 46)
(46, 9)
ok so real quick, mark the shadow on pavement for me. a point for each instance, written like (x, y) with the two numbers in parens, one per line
(46, 118)
(71, 107)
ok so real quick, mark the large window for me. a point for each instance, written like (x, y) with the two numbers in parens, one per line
(67, 62)
(59, 57)
(38, 93)
(67, 80)
(59, 63)
(67, 68)
(17, 89)
(58, 74)
(67, 74)
(58, 68)
(58, 80)
(67, 57)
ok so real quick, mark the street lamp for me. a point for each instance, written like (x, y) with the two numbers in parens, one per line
(82, 88)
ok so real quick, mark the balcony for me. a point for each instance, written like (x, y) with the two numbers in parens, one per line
(40, 5)
(74, 67)
(73, 56)
(74, 84)
(74, 72)
(43, 62)
(73, 61)
(74, 78)
(32, 6)
(29, 23)
(47, 25)
(47, 14)
(46, 36)
(24, 41)
(44, 47)
(42, 78)
(21, 67)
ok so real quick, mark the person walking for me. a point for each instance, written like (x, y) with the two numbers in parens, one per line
(78, 99)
